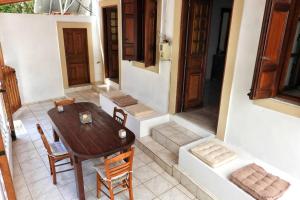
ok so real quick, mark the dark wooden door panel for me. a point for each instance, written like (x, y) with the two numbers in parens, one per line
(129, 29)
(111, 42)
(76, 50)
(196, 51)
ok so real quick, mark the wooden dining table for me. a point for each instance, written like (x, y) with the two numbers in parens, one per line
(87, 141)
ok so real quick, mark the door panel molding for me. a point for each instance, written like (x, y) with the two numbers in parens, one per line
(60, 26)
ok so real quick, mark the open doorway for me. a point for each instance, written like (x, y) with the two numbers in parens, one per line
(111, 49)
(204, 38)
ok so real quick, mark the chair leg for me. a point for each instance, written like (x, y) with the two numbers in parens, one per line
(71, 161)
(98, 186)
(111, 192)
(51, 170)
(130, 187)
(54, 171)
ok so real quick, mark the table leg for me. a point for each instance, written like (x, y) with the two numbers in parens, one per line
(79, 178)
(55, 136)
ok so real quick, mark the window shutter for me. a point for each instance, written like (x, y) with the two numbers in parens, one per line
(268, 67)
(129, 29)
(150, 32)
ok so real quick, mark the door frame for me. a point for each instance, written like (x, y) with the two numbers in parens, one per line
(237, 13)
(88, 27)
(105, 4)
(105, 49)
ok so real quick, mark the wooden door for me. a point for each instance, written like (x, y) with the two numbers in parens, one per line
(76, 50)
(111, 42)
(196, 47)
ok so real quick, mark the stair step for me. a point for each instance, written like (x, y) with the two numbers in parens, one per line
(101, 88)
(172, 136)
(162, 156)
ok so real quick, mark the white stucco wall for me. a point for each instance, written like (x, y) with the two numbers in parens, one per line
(30, 45)
(271, 136)
(150, 87)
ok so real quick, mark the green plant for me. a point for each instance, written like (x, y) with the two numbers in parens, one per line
(22, 7)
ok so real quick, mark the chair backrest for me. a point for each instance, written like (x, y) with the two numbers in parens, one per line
(64, 102)
(44, 139)
(120, 116)
(117, 165)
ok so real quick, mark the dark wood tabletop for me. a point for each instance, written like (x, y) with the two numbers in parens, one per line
(85, 141)
(100, 138)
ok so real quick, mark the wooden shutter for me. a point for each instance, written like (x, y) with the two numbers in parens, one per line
(129, 29)
(268, 66)
(150, 32)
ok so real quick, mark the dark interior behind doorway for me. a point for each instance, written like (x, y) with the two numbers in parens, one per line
(111, 49)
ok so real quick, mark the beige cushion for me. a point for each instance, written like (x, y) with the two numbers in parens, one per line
(213, 153)
(139, 110)
(123, 101)
(58, 149)
(260, 184)
(114, 93)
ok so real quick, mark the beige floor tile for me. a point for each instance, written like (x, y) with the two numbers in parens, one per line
(41, 187)
(23, 194)
(90, 182)
(21, 189)
(144, 173)
(158, 185)
(144, 158)
(53, 194)
(27, 155)
(171, 179)
(185, 191)
(174, 194)
(32, 164)
(16, 169)
(141, 193)
(28, 146)
(137, 163)
(36, 175)
(68, 191)
(156, 167)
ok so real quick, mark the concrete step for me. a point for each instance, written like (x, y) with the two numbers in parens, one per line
(101, 88)
(162, 156)
(172, 136)
(168, 161)
(192, 126)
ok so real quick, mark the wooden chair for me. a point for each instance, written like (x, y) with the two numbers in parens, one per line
(116, 172)
(56, 152)
(120, 116)
(64, 102)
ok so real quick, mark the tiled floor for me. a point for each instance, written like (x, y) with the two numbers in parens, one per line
(31, 168)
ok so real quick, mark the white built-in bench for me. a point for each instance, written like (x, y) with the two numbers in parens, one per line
(140, 126)
(216, 181)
